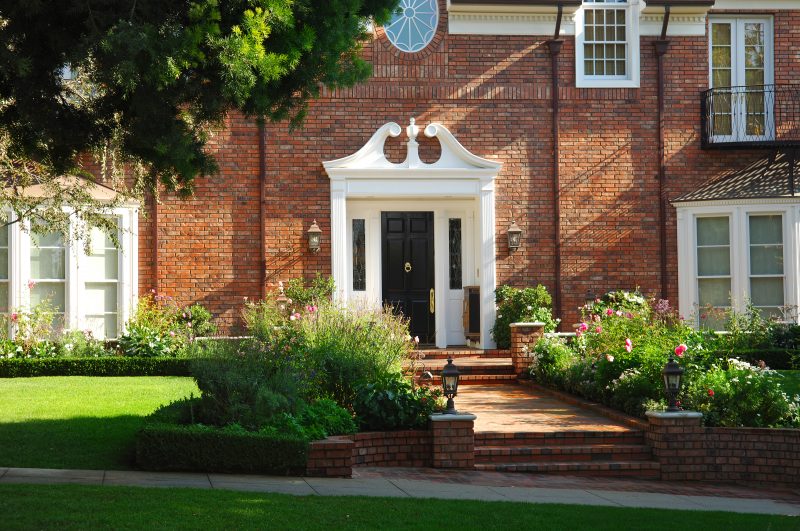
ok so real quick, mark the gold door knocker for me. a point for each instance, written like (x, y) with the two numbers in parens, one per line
(432, 304)
(408, 267)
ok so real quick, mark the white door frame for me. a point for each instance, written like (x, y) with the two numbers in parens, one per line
(457, 175)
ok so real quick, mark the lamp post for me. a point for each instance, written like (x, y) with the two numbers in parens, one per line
(450, 376)
(672, 373)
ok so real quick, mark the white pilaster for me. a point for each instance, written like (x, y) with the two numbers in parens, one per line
(339, 238)
(441, 256)
(487, 262)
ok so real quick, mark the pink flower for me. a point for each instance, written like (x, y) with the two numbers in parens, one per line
(598, 330)
(294, 316)
(172, 333)
(710, 392)
(14, 317)
(680, 349)
(610, 358)
(609, 312)
(629, 315)
(31, 284)
(311, 309)
(578, 333)
(583, 327)
(416, 340)
(619, 313)
(628, 345)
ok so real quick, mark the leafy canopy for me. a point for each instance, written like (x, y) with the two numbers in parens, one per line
(146, 79)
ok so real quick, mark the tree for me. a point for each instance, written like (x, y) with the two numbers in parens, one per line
(146, 79)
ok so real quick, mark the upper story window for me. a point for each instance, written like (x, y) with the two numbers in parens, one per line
(413, 25)
(741, 74)
(607, 43)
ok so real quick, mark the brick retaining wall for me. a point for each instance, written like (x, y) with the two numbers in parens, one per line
(689, 451)
(393, 448)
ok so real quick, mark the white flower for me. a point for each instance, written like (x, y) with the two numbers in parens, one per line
(68, 347)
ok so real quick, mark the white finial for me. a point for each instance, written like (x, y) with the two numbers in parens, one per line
(412, 130)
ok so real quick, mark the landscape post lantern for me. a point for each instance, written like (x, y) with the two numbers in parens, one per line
(314, 237)
(672, 373)
(514, 236)
(450, 376)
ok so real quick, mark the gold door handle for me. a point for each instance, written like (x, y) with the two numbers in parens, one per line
(432, 301)
(407, 267)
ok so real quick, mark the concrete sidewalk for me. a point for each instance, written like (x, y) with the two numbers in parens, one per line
(399, 487)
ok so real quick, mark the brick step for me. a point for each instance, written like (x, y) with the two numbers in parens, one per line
(442, 354)
(559, 438)
(527, 454)
(641, 469)
(471, 366)
(474, 379)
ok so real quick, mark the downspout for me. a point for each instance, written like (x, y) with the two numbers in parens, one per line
(262, 183)
(555, 50)
(661, 47)
(156, 243)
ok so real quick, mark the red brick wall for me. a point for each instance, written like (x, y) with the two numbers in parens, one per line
(493, 93)
(410, 448)
(688, 451)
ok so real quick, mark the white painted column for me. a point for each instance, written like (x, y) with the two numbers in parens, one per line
(686, 292)
(339, 238)
(488, 279)
(441, 258)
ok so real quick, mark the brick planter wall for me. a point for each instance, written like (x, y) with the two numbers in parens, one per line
(523, 338)
(453, 441)
(689, 451)
(331, 457)
(393, 448)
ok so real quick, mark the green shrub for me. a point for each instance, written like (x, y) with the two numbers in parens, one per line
(102, 366)
(315, 421)
(82, 344)
(517, 305)
(241, 384)
(391, 403)
(313, 293)
(164, 444)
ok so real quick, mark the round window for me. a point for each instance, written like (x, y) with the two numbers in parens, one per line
(413, 24)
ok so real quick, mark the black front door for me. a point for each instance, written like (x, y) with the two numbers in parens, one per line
(408, 269)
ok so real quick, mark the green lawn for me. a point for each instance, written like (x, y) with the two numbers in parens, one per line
(790, 382)
(82, 507)
(79, 422)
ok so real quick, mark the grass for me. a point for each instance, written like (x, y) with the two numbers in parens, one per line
(790, 382)
(79, 422)
(84, 507)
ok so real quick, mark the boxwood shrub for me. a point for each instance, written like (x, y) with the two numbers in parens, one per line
(195, 447)
(102, 366)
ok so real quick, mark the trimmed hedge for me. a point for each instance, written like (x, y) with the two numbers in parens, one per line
(200, 448)
(107, 366)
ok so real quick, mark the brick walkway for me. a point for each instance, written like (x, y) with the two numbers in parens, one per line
(517, 408)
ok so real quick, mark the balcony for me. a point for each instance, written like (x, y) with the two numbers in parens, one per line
(751, 117)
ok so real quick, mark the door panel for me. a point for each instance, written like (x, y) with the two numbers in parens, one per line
(408, 269)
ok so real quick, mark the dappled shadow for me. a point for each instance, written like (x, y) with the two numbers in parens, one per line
(84, 442)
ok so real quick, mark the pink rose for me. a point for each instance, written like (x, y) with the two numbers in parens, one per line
(598, 330)
(680, 349)
(31, 284)
(578, 333)
(14, 317)
(583, 327)
(629, 315)
(619, 313)
(710, 392)
(628, 345)
(609, 312)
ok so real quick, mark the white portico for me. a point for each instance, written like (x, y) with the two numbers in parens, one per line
(458, 189)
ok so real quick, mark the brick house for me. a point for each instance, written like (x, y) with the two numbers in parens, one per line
(665, 160)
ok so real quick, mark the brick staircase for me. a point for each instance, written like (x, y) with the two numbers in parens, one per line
(584, 453)
(476, 366)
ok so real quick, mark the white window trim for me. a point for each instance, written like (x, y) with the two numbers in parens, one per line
(769, 64)
(632, 14)
(738, 211)
(74, 305)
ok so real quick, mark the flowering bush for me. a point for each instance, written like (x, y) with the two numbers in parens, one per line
(619, 352)
(517, 305)
(160, 327)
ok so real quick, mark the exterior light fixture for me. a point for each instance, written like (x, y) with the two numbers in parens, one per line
(672, 373)
(314, 237)
(450, 376)
(514, 236)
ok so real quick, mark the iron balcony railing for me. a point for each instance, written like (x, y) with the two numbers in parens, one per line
(753, 116)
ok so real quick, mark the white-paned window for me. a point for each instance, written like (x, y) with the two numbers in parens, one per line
(5, 278)
(607, 43)
(738, 256)
(48, 272)
(713, 269)
(101, 286)
(766, 263)
(741, 74)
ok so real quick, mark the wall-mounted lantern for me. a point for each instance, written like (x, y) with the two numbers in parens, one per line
(514, 236)
(314, 237)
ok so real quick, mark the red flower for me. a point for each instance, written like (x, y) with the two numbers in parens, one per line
(710, 392)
